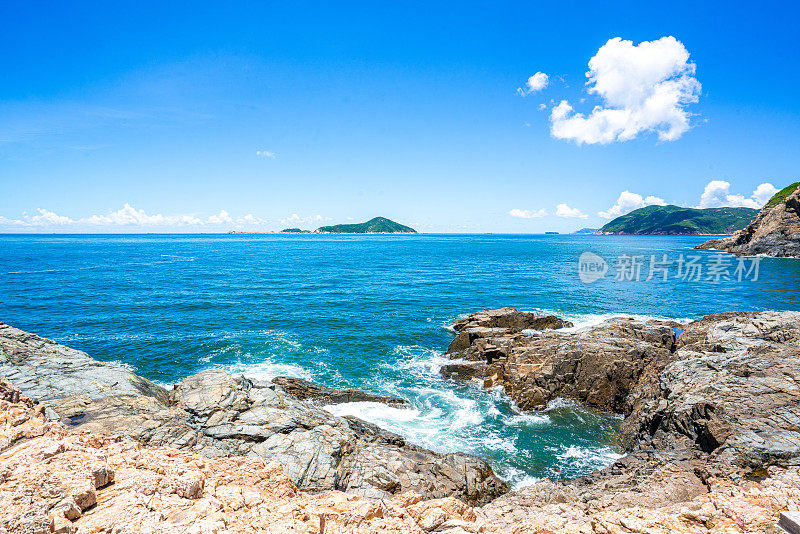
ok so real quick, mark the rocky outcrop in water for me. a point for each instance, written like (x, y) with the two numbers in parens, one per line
(774, 232)
(323, 396)
(217, 414)
(726, 385)
(712, 420)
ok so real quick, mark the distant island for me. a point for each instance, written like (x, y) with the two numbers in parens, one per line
(587, 231)
(378, 225)
(675, 220)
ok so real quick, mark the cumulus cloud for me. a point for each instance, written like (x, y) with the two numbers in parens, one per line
(130, 216)
(627, 202)
(49, 218)
(717, 194)
(528, 214)
(127, 216)
(42, 218)
(266, 154)
(643, 88)
(562, 210)
(535, 83)
(221, 218)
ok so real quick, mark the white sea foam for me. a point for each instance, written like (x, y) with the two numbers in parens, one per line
(586, 320)
(374, 412)
(120, 363)
(267, 370)
(519, 479)
(588, 459)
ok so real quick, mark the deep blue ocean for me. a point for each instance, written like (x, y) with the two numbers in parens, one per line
(368, 312)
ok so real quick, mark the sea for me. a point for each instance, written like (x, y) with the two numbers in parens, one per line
(371, 312)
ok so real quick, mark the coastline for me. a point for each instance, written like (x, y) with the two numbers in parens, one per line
(683, 459)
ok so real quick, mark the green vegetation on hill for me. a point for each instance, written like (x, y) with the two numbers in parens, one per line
(675, 220)
(378, 225)
(295, 231)
(781, 195)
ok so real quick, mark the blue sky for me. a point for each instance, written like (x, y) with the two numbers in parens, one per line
(212, 116)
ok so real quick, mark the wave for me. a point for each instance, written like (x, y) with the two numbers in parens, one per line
(585, 320)
(588, 459)
(373, 411)
(268, 370)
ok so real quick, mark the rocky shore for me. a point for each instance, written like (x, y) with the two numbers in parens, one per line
(711, 428)
(774, 232)
(217, 414)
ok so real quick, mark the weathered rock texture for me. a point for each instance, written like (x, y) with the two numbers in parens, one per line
(217, 414)
(46, 370)
(774, 232)
(321, 395)
(726, 386)
(53, 480)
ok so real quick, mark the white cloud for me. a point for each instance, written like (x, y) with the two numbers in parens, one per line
(627, 202)
(266, 154)
(221, 218)
(49, 218)
(527, 214)
(643, 88)
(542, 107)
(562, 210)
(130, 216)
(763, 193)
(127, 216)
(295, 219)
(717, 193)
(535, 83)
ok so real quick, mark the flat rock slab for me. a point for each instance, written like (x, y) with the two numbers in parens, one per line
(45, 370)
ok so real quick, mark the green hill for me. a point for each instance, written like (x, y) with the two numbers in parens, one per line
(378, 225)
(675, 220)
(781, 195)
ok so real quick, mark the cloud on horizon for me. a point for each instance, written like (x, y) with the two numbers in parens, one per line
(127, 216)
(715, 195)
(562, 210)
(528, 214)
(295, 219)
(643, 88)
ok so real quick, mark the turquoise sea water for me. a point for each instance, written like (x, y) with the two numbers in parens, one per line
(367, 312)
